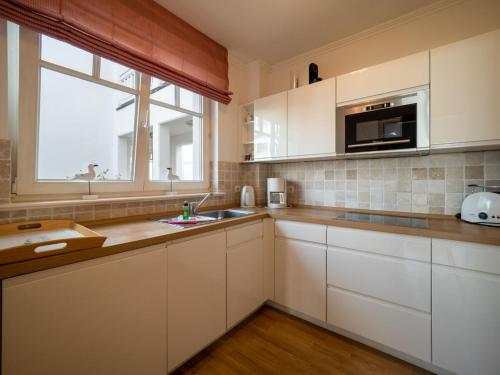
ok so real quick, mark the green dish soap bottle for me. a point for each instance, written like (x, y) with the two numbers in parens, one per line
(185, 211)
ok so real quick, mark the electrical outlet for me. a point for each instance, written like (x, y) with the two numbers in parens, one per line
(237, 188)
(290, 189)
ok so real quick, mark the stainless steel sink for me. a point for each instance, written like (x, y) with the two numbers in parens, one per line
(210, 217)
(225, 214)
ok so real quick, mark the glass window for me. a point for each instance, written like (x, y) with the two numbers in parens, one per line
(162, 91)
(189, 100)
(82, 123)
(175, 142)
(117, 73)
(66, 55)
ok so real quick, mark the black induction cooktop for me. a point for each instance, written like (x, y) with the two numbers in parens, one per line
(400, 221)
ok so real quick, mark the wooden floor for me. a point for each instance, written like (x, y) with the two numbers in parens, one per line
(271, 342)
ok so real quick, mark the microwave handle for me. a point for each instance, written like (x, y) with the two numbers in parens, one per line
(399, 141)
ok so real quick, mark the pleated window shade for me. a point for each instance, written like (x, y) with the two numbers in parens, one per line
(140, 34)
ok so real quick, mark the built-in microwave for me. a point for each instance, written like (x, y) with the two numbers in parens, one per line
(390, 124)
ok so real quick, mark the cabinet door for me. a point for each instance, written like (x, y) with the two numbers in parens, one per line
(270, 126)
(465, 320)
(196, 295)
(104, 316)
(465, 91)
(406, 72)
(311, 119)
(245, 280)
(301, 277)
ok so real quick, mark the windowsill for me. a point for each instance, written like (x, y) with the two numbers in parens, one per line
(19, 203)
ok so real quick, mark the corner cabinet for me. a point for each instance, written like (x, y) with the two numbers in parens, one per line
(300, 251)
(465, 92)
(311, 119)
(102, 316)
(270, 127)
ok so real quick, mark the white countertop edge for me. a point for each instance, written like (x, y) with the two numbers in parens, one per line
(81, 202)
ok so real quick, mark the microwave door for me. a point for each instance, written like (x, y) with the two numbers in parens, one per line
(386, 129)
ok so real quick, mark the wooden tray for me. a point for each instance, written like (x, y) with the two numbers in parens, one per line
(34, 239)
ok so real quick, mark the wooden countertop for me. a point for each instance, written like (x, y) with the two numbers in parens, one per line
(132, 233)
(439, 226)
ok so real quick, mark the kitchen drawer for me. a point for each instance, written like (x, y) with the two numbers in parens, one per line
(401, 281)
(301, 231)
(403, 329)
(397, 245)
(244, 233)
(468, 255)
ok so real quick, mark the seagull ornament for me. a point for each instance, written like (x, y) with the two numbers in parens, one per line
(89, 176)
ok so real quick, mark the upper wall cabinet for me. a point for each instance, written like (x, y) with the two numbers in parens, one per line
(270, 128)
(400, 74)
(465, 92)
(311, 119)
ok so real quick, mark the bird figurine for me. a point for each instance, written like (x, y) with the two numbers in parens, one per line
(89, 176)
(171, 177)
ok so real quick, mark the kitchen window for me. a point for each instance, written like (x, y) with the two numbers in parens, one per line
(78, 109)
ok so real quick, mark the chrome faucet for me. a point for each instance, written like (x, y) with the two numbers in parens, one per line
(195, 206)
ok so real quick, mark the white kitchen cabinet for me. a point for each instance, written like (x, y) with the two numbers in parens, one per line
(379, 287)
(268, 258)
(245, 289)
(301, 276)
(465, 92)
(196, 295)
(466, 307)
(400, 74)
(270, 127)
(102, 316)
(404, 329)
(400, 281)
(301, 231)
(311, 119)
(245, 272)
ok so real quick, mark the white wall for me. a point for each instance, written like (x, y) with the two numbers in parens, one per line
(438, 24)
(225, 132)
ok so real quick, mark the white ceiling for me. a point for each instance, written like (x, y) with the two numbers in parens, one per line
(275, 30)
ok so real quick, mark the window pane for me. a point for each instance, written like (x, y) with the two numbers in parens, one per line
(162, 91)
(175, 142)
(190, 100)
(66, 55)
(117, 73)
(82, 123)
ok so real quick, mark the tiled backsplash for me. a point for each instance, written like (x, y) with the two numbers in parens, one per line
(434, 183)
(5, 163)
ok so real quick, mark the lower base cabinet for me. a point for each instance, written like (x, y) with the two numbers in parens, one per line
(103, 316)
(196, 295)
(245, 287)
(301, 276)
(466, 307)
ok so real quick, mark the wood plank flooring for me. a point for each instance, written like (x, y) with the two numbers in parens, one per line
(272, 342)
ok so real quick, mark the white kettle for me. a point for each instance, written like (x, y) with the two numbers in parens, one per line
(247, 196)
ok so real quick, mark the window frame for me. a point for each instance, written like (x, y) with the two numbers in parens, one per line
(30, 65)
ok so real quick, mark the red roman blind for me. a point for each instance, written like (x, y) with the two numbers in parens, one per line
(138, 33)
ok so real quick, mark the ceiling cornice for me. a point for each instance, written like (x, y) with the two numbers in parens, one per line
(365, 34)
